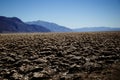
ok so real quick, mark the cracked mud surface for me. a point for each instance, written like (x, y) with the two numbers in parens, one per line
(60, 56)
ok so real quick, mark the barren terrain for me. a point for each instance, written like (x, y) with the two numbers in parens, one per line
(60, 56)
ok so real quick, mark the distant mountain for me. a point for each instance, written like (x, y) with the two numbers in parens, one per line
(90, 29)
(51, 26)
(14, 24)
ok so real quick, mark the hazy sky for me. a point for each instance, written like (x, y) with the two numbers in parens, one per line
(70, 13)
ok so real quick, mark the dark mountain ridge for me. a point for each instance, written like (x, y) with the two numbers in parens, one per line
(14, 24)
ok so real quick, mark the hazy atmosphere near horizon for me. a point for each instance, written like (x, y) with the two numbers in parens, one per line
(69, 13)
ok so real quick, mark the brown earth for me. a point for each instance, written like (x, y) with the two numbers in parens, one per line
(60, 56)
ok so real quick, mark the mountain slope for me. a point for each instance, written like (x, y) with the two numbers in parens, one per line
(51, 26)
(90, 29)
(14, 24)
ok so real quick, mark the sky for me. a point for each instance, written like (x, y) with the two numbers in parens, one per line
(69, 13)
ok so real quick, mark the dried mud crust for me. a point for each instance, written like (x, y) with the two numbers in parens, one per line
(60, 56)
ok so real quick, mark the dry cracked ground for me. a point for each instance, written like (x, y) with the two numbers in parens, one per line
(60, 56)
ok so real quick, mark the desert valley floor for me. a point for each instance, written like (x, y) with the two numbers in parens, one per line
(60, 56)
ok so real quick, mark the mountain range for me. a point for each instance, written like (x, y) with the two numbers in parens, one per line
(14, 25)
(95, 29)
(53, 27)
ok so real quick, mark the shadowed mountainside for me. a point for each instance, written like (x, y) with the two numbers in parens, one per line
(14, 24)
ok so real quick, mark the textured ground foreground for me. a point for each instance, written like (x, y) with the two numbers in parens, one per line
(60, 56)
